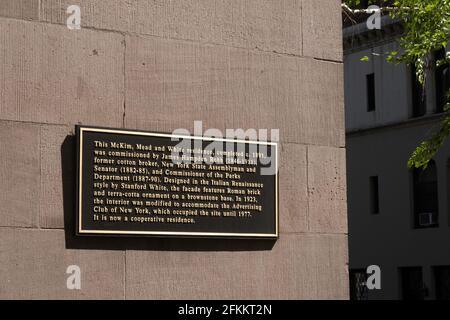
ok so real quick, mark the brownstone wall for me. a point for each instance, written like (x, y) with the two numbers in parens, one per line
(157, 66)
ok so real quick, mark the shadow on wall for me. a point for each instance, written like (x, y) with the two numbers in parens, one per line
(68, 164)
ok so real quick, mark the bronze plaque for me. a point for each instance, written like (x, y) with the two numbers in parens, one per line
(155, 184)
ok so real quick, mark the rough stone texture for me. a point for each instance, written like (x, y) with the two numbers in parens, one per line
(299, 27)
(21, 9)
(327, 190)
(186, 81)
(19, 173)
(233, 88)
(34, 264)
(160, 65)
(310, 103)
(322, 37)
(51, 202)
(293, 182)
(299, 266)
(50, 74)
(270, 25)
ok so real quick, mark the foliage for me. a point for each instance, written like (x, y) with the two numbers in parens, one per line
(428, 148)
(427, 29)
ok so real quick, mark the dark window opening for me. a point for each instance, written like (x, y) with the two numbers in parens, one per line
(374, 195)
(370, 83)
(412, 286)
(418, 95)
(358, 288)
(425, 191)
(442, 282)
(442, 78)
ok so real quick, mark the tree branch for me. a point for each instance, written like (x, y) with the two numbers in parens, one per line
(367, 11)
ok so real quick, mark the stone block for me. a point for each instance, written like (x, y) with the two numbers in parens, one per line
(293, 182)
(179, 81)
(19, 173)
(299, 266)
(322, 29)
(269, 25)
(51, 74)
(327, 189)
(20, 9)
(58, 169)
(34, 265)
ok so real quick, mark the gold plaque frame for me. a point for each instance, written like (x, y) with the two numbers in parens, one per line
(79, 207)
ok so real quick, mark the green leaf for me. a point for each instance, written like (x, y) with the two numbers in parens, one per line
(365, 58)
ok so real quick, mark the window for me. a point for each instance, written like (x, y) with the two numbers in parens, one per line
(425, 196)
(370, 84)
(442, 77)
(374, 199)
(442, 282)
(418, 95)
(412, 286)
(358, 288)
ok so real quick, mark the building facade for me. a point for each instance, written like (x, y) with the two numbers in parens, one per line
(398, 218)
(159, 66)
